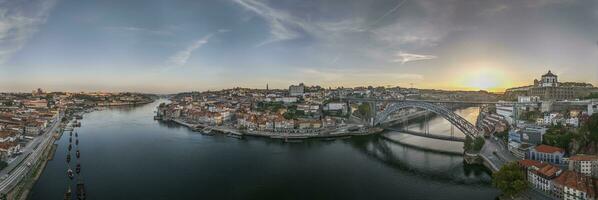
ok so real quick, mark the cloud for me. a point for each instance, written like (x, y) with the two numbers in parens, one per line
(404, 57)
(282, 25)
(133, 29)
(392, 10)
(181, 57)
(18, 22)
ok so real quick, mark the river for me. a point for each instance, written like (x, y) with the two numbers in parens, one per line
(125, 154)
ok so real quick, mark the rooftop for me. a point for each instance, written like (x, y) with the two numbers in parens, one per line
(548, 149)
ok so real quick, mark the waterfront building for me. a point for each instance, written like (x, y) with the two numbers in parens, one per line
(546, 153)
(584, 164)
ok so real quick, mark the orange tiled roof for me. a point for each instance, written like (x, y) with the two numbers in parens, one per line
(548, 149)
(583, 157)
(528, 163)
(548, 171)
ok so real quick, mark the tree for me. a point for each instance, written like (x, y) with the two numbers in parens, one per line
(510, 179)
(478, 143)
(3, 164)
(591, 127)
(467, 144)
(364, 110)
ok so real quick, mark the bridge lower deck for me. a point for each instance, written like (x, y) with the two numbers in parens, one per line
(433, 136)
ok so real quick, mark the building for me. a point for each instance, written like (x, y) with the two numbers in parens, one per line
(506, 111)
(549, 88)
(584, 164)
(592, 108)
(574, 186)
(297, 90)
(527, 99)
(547, 153)
(548, 80)
(540, 175)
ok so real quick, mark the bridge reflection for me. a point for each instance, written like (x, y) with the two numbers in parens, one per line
(419, 161)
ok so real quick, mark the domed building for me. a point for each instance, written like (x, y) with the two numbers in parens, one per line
(549, 80)
(549, 88)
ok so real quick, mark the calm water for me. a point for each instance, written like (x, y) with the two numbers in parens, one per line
(128, 155)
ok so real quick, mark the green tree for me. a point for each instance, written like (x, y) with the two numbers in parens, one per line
(467, 144)
(364, 110)
(478, 143)
(559, 136)
(510, 179)
(3, 164)
(591, 127)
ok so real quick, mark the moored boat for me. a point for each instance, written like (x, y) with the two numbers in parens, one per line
(78, 168)
(69, 173)
(235, 136)
(81, 194)
(68, 195)
(207, 131)
(78, 153)
(68, 158)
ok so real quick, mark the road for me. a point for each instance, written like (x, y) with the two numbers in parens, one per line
(498, 155)
(32, 152)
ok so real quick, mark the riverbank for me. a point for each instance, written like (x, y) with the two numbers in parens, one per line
(111, 104)
(23, 188)
(281, 136)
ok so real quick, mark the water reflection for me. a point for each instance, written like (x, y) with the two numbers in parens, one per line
(434, 165)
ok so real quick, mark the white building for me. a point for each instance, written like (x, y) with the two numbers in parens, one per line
(549, 80)
(584, 164)
(506, 111)
(592, 108)
(527, 99)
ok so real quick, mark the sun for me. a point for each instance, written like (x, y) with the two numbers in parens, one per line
(489, 79)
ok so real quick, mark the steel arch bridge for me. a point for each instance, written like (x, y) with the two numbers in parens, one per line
(462, 124)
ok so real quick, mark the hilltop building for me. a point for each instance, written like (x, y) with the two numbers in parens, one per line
(549, 88)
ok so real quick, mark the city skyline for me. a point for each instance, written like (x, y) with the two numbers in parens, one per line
(176, 46)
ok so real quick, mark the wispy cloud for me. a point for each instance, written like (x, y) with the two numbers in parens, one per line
(134, 29)
(181, 57)
(282, 25)
(19, 20)
(404, 57)
(392, 10)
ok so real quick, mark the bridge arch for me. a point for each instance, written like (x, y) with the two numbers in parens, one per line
(461, 123)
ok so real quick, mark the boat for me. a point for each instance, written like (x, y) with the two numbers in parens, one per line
(68, 194)
(235, 136)
(69, 173)
(78, 168)
(207, 131)
(71, 140)
(70, 147)
(68, 158)
(81, 195)
(78, 153)
(77, 141)
(71, 133)
(76, 134)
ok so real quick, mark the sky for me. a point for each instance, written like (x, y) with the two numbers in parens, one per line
(167, 46)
